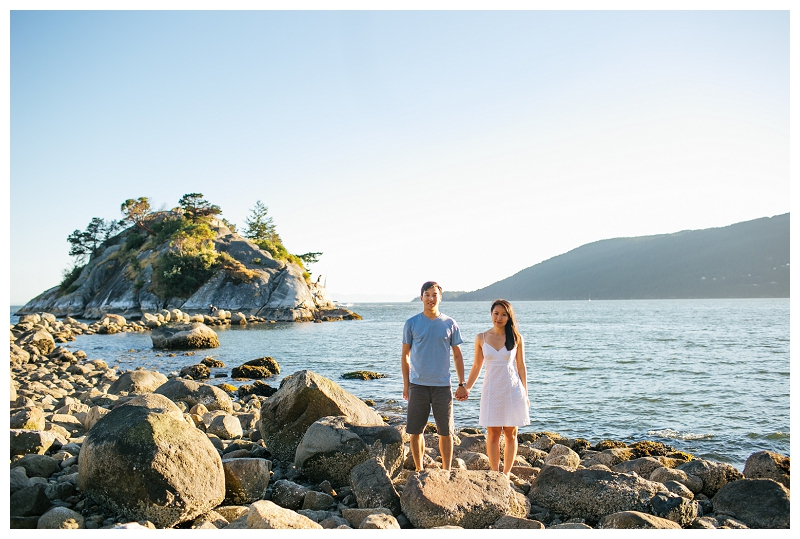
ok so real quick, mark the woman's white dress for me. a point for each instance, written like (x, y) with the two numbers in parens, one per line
(503, 398)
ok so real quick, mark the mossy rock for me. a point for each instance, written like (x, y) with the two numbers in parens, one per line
(430, 428)
(580, 445)
(363, 375)
(473, 430)
(212, 363)
(195, 372)
(257, 388)
(228, 388)
(608, 444)
(262, 367)
(681, 455)
(369, 402)
(650, 449)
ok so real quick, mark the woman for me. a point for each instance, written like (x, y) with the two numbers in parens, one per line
(504, 398)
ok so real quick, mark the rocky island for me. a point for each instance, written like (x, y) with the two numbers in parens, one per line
(190, 259)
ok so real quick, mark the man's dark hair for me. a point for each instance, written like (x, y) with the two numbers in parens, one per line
(430, 284)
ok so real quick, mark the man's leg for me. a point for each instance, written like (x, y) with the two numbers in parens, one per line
(442, 405)
(419, 408)
(446, 450)
(417, 444)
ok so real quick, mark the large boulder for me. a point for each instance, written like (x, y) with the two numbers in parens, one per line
(184, 337)
(302, 399)
(144, 461)
(715, 475)
(193, 393)
(138, 381)
(332, 446)
(759, 503)
(591, 494)
(767, 465)
(465, 498)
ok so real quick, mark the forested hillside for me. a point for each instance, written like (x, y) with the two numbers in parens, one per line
(744, 260)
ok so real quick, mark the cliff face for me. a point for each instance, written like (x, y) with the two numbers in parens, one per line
(270, 288)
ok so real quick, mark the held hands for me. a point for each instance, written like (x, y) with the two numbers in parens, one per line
(461, 393)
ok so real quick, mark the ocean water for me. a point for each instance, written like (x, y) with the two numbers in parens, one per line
(710, 377)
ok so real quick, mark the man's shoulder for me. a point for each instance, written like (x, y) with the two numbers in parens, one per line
(414, 318)
(447, 319)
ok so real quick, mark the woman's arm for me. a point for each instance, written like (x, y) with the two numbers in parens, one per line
(523, 373)
(477, 362)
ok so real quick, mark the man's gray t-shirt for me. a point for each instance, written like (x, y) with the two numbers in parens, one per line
(430, 342)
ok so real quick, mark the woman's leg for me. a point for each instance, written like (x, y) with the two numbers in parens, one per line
(511, 449)
(493, 447)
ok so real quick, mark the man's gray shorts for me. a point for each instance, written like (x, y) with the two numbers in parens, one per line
(421, 399)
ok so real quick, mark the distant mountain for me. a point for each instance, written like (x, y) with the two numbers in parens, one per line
(744, 260)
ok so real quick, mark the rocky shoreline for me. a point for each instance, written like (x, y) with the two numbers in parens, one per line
(93, 447)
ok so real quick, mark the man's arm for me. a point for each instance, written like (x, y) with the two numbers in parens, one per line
(458, 361)
(405, 366)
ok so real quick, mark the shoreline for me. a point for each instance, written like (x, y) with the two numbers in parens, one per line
(58, 397)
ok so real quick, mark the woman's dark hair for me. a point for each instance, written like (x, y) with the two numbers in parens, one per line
(512, 334)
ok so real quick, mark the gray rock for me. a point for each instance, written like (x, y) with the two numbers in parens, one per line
(373, 487)
(225, 426)
(715, 475)
(171, 471)
(246, 479)
(591, 494)
(288, 494)
(184, 337)
(266, 515)
(563, 456)
(476, 461)
(663, 475)
(642, 467)
(379, 522)
(318, 501)
(470, 499)
(635, 520)
(674, 508)
(138, 381)
(24, 442)
(29, 418)
(61, 518)
(331, 447)
(19, 479)
(507, 522)
(334, 522)
(759, 503)
(38, 465)
(29, 501)
(18, 355)
(302, 399)
(356, 516)
(193, 393)
(768, 465)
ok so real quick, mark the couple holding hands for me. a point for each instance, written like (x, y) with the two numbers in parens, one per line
(428, 338)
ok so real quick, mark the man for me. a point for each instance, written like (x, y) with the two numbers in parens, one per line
(428, 338)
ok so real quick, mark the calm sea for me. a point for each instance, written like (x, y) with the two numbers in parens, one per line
(710, 377)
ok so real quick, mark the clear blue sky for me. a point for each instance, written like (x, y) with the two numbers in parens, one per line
(405, 145)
